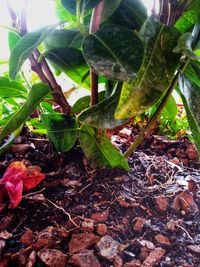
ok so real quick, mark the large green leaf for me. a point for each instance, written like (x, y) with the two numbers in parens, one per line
(71, 62)
(99, 150)
(156, 73)
(62, 130)
(192, 71)
(64, 39)
(11, 89)
(102, 115)
(189, 17)
(63, 14)
(70, 5)
(25, 46)
(110, 6)
(114, 51)
(131, 14)
(191, 92)
(13, 39)
(36, 95)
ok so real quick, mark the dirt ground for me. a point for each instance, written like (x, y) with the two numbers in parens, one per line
(90, 218)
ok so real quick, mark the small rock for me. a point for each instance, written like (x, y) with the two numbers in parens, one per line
(52, 257)
(161, 239)
(100, 216)
(87, 225)
(82, 241)
(139, 223)
(144, 253)
(108, 247)
(101, 229)
(154, 257)
(191, 152)
(5, 235)
(31, 259)
(148, 244)
(6, 222)
(85, 258)
(27, 238)
(118, 262)
(161, 203)
(133, 263)
(45, 238)
(20, 148)
(194, 248)
(185, 202)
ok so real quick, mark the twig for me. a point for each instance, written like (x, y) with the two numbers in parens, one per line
(64, 211)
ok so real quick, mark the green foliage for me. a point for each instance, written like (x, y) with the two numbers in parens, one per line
(114, 51)
(36, 95)
(25, 46)
(62, 130)
(95, 143)
(156, 72)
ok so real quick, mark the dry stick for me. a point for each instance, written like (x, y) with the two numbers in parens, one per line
(157, 113)
(94, 26)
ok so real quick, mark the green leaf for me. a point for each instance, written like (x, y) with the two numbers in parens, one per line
(188, 41)
(25, 46)
(71, 62)
(189, 17)
(102, 115)
(36, 95)
(64, 14)
(170, 110)
(114, 51)
(11, 89)
(10, 140)
(192, 123)
(64, 39)
(156, 73)
(130, 14)
(85, 5)
(99, 150)
(192, 71)
(192, 96)
(13, 39)
(62, 130)
(110, 6)
(84, 102)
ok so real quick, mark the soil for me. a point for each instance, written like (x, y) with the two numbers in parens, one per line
(89, 218)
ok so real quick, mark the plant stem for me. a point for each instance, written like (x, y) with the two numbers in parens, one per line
(42, 69)
(157, 113)
(94, 26)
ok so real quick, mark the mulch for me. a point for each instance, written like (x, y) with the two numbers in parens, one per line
(90, 218)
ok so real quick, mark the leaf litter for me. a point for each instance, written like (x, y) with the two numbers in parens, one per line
(91, 218)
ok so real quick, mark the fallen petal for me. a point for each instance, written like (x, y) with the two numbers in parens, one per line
(33, 177)
(14, 173)
(15, 193)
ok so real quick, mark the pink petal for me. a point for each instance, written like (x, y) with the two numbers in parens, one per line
(33, 177)
(14, 173)
(15, 193)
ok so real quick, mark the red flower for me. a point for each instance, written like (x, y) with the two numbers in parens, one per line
(16, 178)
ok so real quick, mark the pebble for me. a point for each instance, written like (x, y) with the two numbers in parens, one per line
(108, 247)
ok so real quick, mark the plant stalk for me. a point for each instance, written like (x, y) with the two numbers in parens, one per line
(157, 113)
(94, 26)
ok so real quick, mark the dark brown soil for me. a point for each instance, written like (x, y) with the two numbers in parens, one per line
(152, 211)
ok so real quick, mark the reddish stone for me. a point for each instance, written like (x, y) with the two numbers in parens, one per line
(100, 216)
(52, 257)
(154, 257)
(162, 203)
(139, 223)
(82, 241)
(185, 202)
(85, 258)
(101, 229)
(161, 239)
